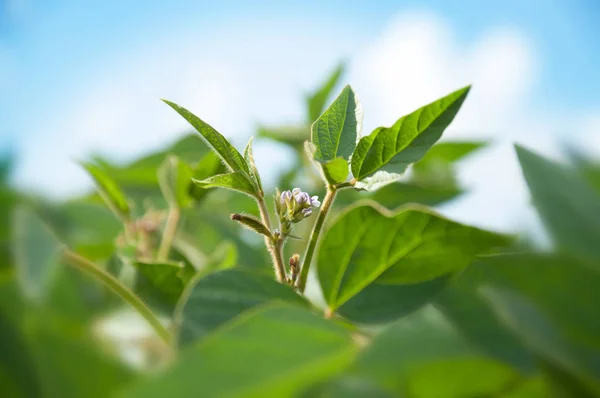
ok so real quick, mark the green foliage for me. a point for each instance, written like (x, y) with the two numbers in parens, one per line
(109, 190)
(417, 305)
(221, 296)
(316, 102)
(334, 132)
(174, 178)
(235, 181)
(412, 246)
(37, 253)
(303, 349)
(230, 156)
(569, 206)
(394, 148)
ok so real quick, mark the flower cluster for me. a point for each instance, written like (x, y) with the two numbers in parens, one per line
(294, 206)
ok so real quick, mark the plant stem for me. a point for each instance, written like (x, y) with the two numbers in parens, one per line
(121, 290)
(169, 233)
(314, 236)
(274, 248)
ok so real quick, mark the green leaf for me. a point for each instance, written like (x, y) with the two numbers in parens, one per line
(378, 180)
(471, 315)
(234, 181)
(109, 191)
(222, 295)
(378, 303)
(397, 194)
(249, 157)
(444, 153)
(367, 243)
(74, 366)
(334, 132)
(174, 178)
(422, 338)
(208, 166)
(18, 375)
(569, 207)
(464, 377)
(231, 157)
(288, 134)
(37, 253)
(316, 102)
(275, 351)
(336, 170)
(550, 288)
(540, 334)
(394, 148)
(163, 276)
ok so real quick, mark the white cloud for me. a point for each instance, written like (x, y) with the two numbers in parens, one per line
(418, 59)
(232, 79)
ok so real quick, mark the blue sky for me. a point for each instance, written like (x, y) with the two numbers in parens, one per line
(78, 73)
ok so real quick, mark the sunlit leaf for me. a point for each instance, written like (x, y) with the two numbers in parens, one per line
(334, 132)
(394, 148)
(411, 246)
(109, 190)
(232, 158)
(234, 181)
(249, 157)
(335, 170)
(272, 352)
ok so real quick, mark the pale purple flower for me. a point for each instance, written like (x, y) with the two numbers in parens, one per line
(296, 191)
(315, 201)
(307, 212)
(286, 196)
(302, 198)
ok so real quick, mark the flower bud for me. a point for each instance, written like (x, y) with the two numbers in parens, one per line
(251, 223)
(286, 198)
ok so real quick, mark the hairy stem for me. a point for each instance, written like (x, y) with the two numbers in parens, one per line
(169, 233)
(121, 290)
(314, 236)
(274, 248)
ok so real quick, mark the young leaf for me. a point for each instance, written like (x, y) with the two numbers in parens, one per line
(208, 166)
(109, 190)
(232, 158)
(174, 178)
(316, 102)
(235, 181)
(37, 253)
(336, 170)
(275, 351)
(222, 295)
(249, 157)
(377, 181)
(414, 245)
(568, 205)
(394, 148)
(334, 132)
